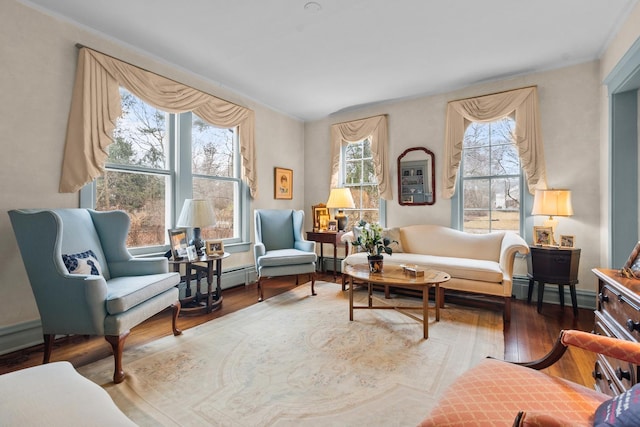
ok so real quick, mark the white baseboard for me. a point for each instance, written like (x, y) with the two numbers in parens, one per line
(28, 334)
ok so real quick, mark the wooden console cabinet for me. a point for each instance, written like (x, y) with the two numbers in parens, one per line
(617, 315)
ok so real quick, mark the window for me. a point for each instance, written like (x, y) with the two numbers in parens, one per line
(490, 178)
(360, 178)
(159, 159)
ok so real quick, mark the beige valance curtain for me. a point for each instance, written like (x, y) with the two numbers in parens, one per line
(374, 128)
(528, 137)
(95, 107)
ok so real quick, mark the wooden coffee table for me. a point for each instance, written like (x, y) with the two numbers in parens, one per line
(395, 276)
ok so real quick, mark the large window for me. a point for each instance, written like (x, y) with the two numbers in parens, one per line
(490, 178)
(159, 159)
(359, 177)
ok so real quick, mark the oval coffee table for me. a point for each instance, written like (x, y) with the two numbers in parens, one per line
(396, 276)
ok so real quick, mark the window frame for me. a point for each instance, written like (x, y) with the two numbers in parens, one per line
(382, 205)
(526, 199)
(179, 171)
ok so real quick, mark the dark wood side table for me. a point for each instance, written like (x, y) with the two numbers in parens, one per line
(201, 302)
(557, 266)
(333, 238)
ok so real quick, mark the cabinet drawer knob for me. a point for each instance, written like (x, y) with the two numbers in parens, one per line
(633, 326)
(603, 298)
(623, 374)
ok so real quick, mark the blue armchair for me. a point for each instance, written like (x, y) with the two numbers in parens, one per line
(84, 279)
(280, 248)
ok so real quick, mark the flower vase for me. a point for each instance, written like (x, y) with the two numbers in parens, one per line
(375, 263)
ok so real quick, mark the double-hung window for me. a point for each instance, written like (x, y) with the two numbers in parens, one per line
(157, 160)
(360, 178)
(491, 179)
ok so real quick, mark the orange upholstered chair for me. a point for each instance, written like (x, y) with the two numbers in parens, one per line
(498, 393)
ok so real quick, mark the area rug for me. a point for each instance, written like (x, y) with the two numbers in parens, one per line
(296, 359)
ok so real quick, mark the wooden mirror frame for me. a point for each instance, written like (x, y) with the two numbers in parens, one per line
(424, 172)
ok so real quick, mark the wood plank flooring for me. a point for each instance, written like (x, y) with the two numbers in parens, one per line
(529, 336)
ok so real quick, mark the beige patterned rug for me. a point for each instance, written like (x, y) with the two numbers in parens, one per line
(297, 360)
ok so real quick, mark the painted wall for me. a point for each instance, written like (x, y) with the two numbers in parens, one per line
(626, 36)
(38, 59)
(569, 110)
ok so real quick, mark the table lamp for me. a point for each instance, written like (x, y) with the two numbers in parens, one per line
(553, 203)
(340, 198)
(196, 213)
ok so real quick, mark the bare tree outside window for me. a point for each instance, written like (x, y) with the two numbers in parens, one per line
(361, 179)
(490, 175)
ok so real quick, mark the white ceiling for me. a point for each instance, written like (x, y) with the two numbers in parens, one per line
(352, 52)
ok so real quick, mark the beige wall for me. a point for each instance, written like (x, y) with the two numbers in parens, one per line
(38, 57)
(569, 112)
(628, 33)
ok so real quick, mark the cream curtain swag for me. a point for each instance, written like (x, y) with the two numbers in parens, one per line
(523, 103)
(95, 107)
(374, 128)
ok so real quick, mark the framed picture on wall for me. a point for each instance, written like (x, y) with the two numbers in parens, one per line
(283, 183)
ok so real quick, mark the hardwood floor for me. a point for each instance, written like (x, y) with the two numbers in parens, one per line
(529, 336)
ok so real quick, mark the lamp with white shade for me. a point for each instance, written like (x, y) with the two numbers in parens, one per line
(340, 199)
(553, 203)
(196, 213)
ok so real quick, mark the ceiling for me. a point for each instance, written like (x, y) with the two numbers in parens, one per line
(312, 59)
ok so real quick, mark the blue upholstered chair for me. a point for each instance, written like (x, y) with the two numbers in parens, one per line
(280, 248)
(84, 279)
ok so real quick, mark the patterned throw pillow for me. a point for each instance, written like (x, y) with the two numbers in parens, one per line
(394, 235)
(82, 263)
(621, 411)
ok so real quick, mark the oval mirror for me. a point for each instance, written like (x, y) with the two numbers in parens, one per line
(416, 177)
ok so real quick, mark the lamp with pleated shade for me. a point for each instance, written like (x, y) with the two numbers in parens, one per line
(552, 203)
(196, 213)
(340, 198)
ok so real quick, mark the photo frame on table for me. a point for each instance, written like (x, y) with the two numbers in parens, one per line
(215, 247)
(192, 254)
(320, 217)
(542, 236)
(631, 268)
(178, 242)
(283, 183)
(332, 225)
(567, 241)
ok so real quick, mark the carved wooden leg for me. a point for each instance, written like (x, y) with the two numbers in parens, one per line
(259, 289)
(313, 282)
(176, 311)
(48, 347)
(117, 345)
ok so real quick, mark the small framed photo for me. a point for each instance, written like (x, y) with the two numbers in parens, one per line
(566, 241)
(323, 222)
(542, 236)
(332, 225)
(192, 254)
(214, 247)
(178, 242)
(283, 183)
(631, 268)
(319, 211)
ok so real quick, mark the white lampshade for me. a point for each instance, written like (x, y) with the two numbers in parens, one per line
(196, 213)
(340, 198)
(552, 203)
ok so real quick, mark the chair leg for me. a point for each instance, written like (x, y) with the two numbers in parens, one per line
(117, 345)
(260, 296)
(313, 282)
(48, 347)
(174, 321)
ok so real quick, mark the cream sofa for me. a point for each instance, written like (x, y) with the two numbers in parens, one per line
(477, 263)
